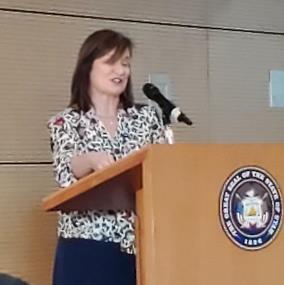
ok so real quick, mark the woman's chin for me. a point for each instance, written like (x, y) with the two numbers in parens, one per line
(116, 92)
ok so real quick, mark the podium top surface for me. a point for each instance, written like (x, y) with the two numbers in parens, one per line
(94, 179)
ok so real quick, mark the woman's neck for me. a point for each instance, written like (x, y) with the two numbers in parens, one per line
(105, 105)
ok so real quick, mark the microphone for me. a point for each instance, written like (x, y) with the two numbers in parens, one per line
(171, 111)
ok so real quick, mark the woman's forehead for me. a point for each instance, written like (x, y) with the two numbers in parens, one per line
(115, 54)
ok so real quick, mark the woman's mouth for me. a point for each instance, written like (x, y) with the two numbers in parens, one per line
(117, 80)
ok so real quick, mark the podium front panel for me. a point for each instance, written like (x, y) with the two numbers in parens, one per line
(181, 237)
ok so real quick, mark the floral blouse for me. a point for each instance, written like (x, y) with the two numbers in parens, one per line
(72, 133)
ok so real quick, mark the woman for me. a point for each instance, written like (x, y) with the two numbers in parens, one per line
(100, 126)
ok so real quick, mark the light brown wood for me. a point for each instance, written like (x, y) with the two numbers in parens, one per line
(120, 172)
(181, 240)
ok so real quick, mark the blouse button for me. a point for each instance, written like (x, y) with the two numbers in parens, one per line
(116, 151)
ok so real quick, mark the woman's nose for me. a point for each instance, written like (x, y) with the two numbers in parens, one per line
(120, 69)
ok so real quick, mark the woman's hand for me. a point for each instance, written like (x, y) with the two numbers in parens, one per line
(86, 163)
(99, 160)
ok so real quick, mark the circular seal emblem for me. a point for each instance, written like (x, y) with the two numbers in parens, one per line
(251, 208)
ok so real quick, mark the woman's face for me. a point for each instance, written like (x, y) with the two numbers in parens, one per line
(110, 78)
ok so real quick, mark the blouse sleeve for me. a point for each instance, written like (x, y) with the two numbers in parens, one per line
(157, 128)
(63, 141)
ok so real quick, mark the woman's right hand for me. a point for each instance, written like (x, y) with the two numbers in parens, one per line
(99, 160)
(86, 163)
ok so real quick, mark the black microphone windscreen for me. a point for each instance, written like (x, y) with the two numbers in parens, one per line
(150, 90)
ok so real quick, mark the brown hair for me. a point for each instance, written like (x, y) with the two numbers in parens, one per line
(95, 46)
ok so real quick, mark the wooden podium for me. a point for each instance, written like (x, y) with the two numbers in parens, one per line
(179, 234)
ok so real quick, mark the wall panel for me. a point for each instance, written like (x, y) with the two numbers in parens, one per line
(239, 67)
(180, 11)
(27, 238)
(260, 15)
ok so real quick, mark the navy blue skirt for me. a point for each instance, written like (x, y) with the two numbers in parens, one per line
(90, 262)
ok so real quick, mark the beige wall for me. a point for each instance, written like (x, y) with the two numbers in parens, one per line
(219, 76)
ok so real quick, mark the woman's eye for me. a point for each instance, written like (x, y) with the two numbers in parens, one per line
(127, 64)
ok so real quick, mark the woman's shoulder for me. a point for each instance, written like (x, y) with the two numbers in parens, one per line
(67, 115)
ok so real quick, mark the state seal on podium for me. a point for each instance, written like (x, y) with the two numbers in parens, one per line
(251, 207)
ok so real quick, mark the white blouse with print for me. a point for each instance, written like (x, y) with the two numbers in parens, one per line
(72, 133)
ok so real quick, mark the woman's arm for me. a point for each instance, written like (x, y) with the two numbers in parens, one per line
(84, 164)
(69, 162)
(64, 144)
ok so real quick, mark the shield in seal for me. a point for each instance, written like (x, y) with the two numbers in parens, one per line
(251, 208)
